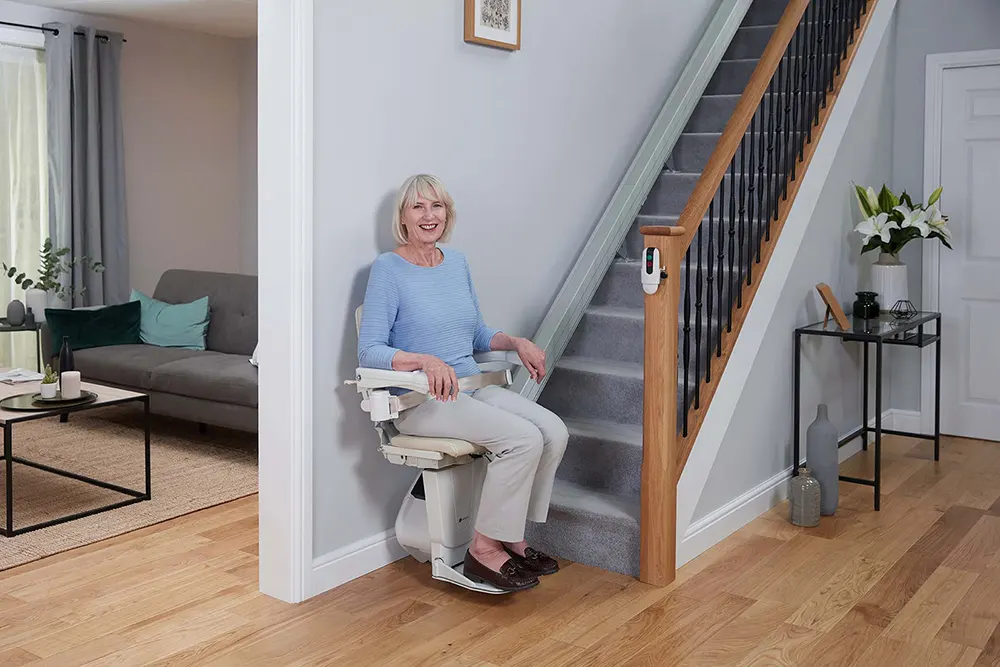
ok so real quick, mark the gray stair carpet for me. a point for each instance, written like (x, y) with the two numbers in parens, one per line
(596, 386)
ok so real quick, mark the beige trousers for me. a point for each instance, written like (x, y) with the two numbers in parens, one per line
(526, 442)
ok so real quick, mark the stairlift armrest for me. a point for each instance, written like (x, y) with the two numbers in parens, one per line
(498, 357)
(377, 378)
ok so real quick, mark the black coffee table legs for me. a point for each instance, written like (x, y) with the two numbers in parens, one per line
(133, 496)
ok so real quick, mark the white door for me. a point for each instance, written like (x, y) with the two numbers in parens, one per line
(970, 273)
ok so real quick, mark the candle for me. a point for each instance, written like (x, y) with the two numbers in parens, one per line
(69, 384)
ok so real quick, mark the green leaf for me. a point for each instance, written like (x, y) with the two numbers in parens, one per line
(11, 271)
(26, 285)
(886, 200)
(863, 202)
(935, 196)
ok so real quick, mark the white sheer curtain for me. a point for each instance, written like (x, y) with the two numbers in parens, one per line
(24, 217)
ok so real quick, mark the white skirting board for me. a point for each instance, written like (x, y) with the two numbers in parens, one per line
(354, 560)
(723, 522)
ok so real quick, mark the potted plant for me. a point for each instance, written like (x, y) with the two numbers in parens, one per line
(47, 290)
(48, 386)
(890, 223)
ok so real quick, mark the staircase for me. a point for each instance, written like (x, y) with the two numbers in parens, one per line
(596, 385)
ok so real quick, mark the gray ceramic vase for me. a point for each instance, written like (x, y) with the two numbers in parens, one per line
(822, 458)
(15, 313)
(803, 499)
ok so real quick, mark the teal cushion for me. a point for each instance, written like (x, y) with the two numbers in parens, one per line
(97, 327)
(183, 325)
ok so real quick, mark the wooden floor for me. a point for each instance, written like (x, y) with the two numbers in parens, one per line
(917, 584)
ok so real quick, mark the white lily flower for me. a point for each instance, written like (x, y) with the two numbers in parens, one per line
(911, 218)
(878, 225)
(872, 198)
(937, 222)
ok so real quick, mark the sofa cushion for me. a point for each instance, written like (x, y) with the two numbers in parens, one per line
(232, 305)
(129, 365)
(172, 324)
(94, 327)
(213, 376)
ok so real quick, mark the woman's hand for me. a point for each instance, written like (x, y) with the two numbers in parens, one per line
(532, 357)
(441, 378)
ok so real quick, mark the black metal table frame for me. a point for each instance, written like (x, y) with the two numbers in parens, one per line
(919, 340)
(10, 460)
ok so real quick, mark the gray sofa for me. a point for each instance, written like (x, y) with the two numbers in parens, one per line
(215, 386)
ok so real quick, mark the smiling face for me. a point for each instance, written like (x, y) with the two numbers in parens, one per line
(424, 221)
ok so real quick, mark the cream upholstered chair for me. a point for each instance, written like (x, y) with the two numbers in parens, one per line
(437, 518)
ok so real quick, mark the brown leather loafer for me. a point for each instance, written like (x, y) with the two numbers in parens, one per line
(534, 562)
(509, 578)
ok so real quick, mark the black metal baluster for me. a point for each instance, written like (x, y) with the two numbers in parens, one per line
(814, 30)
(743, 210)
(710, 279)
(774, 164)
(697, 322)
(761, 178)
(839, 15)
(753, 185)
(826, 45)
(732, 238)
(720, 267)
(802, 75)
(791, 131)
(687, 336)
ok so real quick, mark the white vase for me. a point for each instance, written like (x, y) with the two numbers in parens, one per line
(889, 280)
(47, 390)
(38, 301)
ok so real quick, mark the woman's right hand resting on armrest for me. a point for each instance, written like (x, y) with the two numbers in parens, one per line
(441, 377)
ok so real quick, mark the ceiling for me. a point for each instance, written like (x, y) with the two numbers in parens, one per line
(229, 18)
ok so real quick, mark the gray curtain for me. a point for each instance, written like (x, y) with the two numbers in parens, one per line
(86, 159)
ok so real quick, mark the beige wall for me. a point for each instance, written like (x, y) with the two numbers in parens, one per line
(182, 101)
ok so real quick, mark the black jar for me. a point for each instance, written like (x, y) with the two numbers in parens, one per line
(866, 306)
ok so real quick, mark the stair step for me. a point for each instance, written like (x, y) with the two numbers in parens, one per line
(749, 42)
(587, 388)
(672, 190)
(621, 289)
(765, 12)
(603, 456)
(590, 527)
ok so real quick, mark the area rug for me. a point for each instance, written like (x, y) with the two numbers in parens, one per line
(189, 471)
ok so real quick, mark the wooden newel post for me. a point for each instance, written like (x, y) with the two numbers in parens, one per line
(658, 522)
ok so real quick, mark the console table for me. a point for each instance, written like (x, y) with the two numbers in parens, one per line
(887, 329)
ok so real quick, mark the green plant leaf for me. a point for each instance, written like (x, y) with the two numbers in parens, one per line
(26, 285)
(887, 200)
(11, 271)
(863, 201)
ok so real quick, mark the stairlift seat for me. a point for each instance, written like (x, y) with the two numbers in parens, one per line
(446, 446)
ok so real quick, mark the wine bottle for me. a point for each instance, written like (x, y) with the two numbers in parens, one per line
(66, 356)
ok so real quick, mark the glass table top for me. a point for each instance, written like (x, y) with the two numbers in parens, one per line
(885, 326)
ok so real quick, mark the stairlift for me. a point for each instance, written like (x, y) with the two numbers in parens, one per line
(437, 519)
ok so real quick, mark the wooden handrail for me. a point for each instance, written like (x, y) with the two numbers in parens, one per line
(708, 184)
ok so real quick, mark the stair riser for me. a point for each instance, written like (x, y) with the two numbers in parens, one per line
(749, 42)
(605, 465)
(581, 395)
(598, 541)
(765, 12)
(692, 151)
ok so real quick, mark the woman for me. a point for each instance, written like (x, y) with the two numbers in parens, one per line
(421, 314)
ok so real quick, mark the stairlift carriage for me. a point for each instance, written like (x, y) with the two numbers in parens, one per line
(436, 521)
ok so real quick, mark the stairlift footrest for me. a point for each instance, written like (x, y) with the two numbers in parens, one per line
(454, 575)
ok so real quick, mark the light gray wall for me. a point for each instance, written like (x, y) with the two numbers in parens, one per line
(531, 144)
(248, 155)
(925, 27)
(758, 442)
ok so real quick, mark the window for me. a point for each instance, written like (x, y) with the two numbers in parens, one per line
(23, 182)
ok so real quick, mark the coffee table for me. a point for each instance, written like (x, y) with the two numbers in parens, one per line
(105, 396)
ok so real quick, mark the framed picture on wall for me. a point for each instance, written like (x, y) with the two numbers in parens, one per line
(494, 23)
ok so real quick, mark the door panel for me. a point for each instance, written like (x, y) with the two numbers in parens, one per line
(970, 274)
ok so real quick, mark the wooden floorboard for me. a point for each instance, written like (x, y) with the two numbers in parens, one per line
(915, 584)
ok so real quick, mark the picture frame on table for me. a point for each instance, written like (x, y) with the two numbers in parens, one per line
(494, 23)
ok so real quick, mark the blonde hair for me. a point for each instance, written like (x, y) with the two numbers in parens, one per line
(429, 187)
